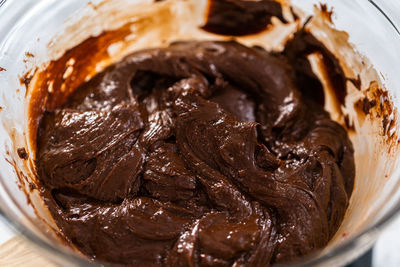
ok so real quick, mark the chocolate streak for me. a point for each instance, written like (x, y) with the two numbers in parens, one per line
(238, 17)
(199, 154)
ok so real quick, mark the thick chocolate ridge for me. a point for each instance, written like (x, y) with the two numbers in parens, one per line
(199, 154)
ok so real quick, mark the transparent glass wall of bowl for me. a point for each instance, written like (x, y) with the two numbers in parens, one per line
(373, 35)
(390, 9)
(26, 26)
(29, 25)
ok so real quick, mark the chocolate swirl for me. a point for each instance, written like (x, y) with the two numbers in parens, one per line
(198, 154)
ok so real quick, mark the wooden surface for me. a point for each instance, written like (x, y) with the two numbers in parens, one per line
(17, 252)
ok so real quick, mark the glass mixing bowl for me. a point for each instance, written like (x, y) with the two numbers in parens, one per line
(33, 32)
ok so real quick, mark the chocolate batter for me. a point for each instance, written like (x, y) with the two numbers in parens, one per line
(199, 154)
(238, 17)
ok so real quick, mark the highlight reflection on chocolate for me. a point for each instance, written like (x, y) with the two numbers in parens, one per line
(202, 153)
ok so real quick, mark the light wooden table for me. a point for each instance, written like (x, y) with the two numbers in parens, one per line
(16, 252)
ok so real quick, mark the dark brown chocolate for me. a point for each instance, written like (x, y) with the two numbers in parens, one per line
(199, 154)
(22, 154)
(238, 17)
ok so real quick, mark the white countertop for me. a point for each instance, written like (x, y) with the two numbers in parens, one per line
(387, 248)
(5, 233)
(386, 251)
